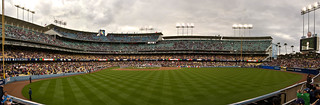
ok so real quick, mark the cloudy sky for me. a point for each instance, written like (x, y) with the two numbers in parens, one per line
(280, 19)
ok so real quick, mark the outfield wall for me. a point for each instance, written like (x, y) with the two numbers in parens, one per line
(25, 78)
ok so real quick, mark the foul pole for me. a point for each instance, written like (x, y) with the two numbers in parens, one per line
(3, 38)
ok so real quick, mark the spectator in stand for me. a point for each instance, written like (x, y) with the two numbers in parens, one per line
(6, 99)
(276, 101)
(317, 95)
(305, 96)
(309, 81)
(1, 91)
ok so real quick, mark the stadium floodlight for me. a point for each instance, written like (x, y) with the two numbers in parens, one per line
(240, 26)
(316, 4)
(178, 25)
(192, 25)
(306, 10)
(150, 28)
(182, 25)
(235, 26)
(309, 7)
(245, 26)
(250, 26)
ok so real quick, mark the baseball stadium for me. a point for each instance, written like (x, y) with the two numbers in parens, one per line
(56, 65)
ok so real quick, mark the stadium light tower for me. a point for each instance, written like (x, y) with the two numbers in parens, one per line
(178, 26)
(304, 9)
(188, 26)
(307, 10)
(242, 26)
(315, 6)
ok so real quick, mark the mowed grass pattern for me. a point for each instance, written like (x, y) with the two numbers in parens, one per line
(187, 86)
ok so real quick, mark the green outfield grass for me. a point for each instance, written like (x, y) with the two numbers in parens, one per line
(187, 86)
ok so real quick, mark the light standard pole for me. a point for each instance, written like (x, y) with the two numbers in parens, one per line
(22, 13)
(309, 9)
(315, 7)
(28, 14)
(187, 26)
(17, 10)
(304, 9)
(32, 15)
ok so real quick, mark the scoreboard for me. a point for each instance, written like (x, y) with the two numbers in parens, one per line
(309, 44)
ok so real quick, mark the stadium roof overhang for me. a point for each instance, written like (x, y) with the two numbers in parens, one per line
(133, 34)
(24, 24)
(215, 38)
(52, 26)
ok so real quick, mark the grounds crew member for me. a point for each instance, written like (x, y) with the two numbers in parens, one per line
(30, 93)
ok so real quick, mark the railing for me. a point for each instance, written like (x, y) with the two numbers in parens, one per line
(290, 93)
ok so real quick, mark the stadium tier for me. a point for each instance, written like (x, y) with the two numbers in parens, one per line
(124, 43)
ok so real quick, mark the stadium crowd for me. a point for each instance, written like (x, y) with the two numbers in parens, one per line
(153, 37)
(21, 52)
(308, 60)
(42, 68)
(310, 95)
(295, 63)
(172, 45)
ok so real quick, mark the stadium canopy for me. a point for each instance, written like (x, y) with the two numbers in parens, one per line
(24, 24)
(215, 38)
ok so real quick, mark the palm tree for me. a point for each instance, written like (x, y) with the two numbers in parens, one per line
(279, 49)
(292, 48)
(285, 45)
